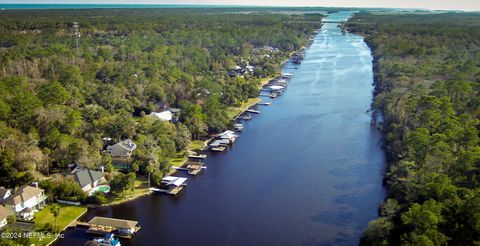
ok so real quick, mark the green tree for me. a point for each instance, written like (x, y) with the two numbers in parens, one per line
(55, 210)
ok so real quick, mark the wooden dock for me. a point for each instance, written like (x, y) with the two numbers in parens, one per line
(173, 190)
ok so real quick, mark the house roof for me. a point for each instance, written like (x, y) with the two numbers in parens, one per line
(23, 194)
(86, 176)
(165, 115)
(120, 147)
(4, 213)
(116, 223)
(3, 192)
(172, 180)
(227, 135)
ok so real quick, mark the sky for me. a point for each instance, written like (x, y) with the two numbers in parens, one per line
(468, 5)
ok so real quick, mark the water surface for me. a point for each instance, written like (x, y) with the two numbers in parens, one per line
(307, 171)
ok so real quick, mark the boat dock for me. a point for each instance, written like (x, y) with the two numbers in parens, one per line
(201, 156)
(245, 117)
(193, 168)
(103, 225)
(171, 185)
(253, 111)
(169, 191)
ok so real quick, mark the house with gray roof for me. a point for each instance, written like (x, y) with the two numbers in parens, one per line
(122, 149)
(88, 179)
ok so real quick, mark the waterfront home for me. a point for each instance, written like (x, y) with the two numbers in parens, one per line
(25, 201)
(88, 179)
(229, 135)
(4, 214)
(122, 228)
(163, 116)
(122, 149)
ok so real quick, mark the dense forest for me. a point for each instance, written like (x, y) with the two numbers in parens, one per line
(427, 72)
(69, 78)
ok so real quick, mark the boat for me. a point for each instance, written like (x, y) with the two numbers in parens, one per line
(253, 111)
(273, 95)
(238, 127)
(108, 240)
(265, 103)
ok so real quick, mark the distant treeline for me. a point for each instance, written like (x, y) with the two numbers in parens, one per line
(57, 102)
(427, 72)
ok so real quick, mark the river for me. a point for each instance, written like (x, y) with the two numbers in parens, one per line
(306, 171)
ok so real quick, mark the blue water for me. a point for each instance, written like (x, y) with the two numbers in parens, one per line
(306, 171)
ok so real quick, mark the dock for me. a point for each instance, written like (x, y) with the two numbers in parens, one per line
(104, 225)
(245, 117)
(192, 168)
(174, 190)
(238, 127)
(253, 111)
(201, 156)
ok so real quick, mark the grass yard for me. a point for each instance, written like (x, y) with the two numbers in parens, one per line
(196, 145)
(234, 111)
(66, 216)
(141, 187)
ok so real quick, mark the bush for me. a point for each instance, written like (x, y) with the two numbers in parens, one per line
(97, 198)
(48, 227)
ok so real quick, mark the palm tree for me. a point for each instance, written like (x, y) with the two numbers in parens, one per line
(55, 210)
(149, 170)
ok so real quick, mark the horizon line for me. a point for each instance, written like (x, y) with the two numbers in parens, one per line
(240, 5)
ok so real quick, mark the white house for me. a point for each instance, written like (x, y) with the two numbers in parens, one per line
(164, 116)
(88, 179)
(25, 201)
(122, 149)
(4, 213)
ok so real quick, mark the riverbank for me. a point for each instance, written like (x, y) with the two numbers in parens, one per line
(294, 147)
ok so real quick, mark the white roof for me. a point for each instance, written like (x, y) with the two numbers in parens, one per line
(276, 87)
(227, 134)
(172, 180)
(165, 115)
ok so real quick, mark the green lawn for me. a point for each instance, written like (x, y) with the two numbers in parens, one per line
(141, 187)
(179, 159)
(66, 216)
(196, 145)
(234, 111)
